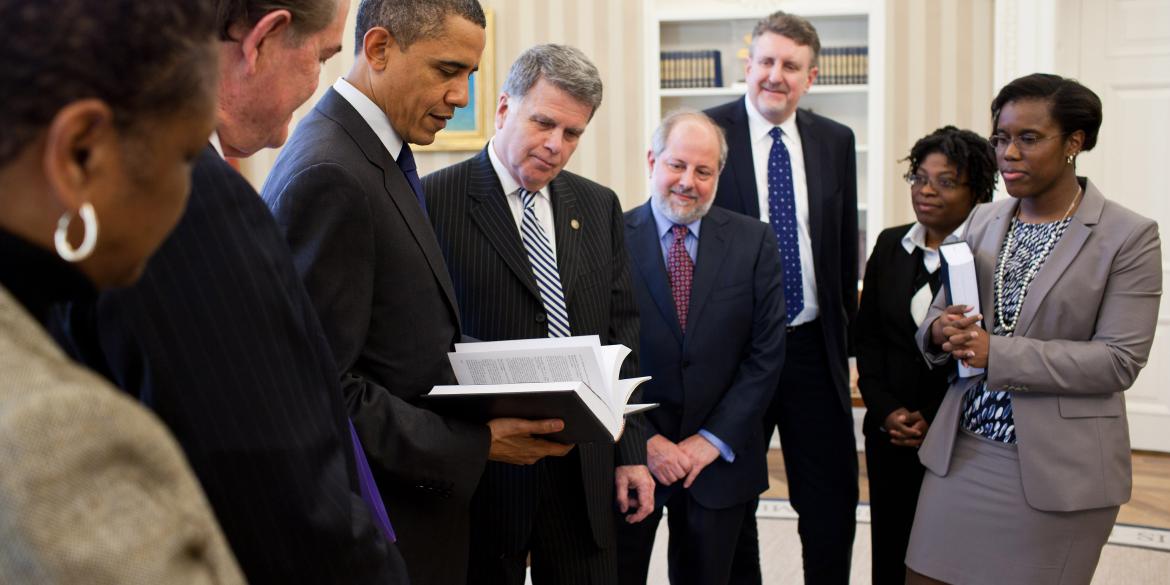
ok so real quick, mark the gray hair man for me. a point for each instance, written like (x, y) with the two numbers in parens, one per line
(537, 251)
(347, 195)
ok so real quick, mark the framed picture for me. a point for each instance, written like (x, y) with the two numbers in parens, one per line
(471, 126)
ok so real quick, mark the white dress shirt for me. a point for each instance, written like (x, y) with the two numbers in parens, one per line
(373, 115)
(758, 131)
(916, 238)
(216, 144)
(542, 204)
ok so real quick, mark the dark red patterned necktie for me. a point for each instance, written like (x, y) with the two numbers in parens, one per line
(682, 272)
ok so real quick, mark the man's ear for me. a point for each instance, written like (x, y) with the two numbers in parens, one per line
(267, 30)
(812, 76)
(81, 144)
(650, 160)
(501, 110)
(375, 45)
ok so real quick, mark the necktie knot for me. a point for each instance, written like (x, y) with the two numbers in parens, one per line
(409, 169)
(775, 133)
(406, 159)
(527, 198)
(680, 232)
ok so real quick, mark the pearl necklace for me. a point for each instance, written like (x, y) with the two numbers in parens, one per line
(1033, 267)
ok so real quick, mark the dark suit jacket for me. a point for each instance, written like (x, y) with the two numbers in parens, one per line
(375, 274)
(830, 168)
(499, 299)
(219, 339)
(892, 373)
(721, 374)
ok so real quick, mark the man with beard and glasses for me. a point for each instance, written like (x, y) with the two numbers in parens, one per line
(710, 295)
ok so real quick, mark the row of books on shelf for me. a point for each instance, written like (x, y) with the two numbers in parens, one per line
(843, 66)
(678, 69)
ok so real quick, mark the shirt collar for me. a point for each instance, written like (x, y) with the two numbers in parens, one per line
(509, 184)
(215, 143)
(916, 237)
(759, 126)
(372, 114)
(664, 224)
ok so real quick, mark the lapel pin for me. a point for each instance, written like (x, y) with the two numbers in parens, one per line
(575, 224)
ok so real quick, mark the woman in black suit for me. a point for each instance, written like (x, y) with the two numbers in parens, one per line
(951, 171)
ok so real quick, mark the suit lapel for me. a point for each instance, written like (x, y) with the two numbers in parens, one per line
(1061, 257)
(651, 267)
(740, 160)
(565, 216)
(709, 261)
(491, 213)
(814, 161)
(398, 190)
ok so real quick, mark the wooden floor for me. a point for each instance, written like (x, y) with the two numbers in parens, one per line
(1150, 505)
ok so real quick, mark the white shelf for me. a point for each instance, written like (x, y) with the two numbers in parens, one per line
(696, 25)
(728, 11)
(735, 90)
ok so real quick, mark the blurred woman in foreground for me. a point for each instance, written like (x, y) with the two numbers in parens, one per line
(103, 106)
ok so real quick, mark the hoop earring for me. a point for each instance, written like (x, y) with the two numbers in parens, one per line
(61, 237)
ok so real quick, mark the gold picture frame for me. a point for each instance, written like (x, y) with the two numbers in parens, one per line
(471, 127)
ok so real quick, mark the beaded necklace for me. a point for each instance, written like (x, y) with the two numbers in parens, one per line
(1034, 266)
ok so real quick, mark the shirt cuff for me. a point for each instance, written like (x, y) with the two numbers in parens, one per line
(724, 451)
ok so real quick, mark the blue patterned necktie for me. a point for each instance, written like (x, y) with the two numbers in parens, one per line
(410, 169)
(544, 268)
(782, 216)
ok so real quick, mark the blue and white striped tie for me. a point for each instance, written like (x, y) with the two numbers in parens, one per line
(544, 268)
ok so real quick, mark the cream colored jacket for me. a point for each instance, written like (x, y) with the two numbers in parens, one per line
(93, 489)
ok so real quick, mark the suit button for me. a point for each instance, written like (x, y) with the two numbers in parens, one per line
(540, 317)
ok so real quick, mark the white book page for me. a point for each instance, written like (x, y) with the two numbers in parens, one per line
(564, 364)
(529, 344)
(458, 390)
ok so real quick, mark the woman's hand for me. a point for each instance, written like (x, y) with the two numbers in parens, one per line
(962, 337)
(967, 341)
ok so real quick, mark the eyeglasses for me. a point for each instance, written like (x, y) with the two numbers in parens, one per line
(1024, 142)
(917, 181)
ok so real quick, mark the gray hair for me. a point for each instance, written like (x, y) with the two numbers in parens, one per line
(412, 20)
(797, 28)
(308, 16)
(565, 67)
(662, 132)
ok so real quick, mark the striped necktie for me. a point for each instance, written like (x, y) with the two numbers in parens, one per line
(544, 268)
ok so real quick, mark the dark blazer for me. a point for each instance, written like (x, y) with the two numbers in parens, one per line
(892, 373)
(499, 299)
(375, 274)
(830, 168)
(1083, 334)
(219, 339)
(721, 375)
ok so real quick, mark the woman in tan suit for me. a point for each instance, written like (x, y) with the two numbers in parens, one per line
(103, 105)
(1029, 463)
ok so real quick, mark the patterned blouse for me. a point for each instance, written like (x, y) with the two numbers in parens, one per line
(986, 413)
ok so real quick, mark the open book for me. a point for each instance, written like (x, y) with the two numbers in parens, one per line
(574, 379)
(961, 285)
